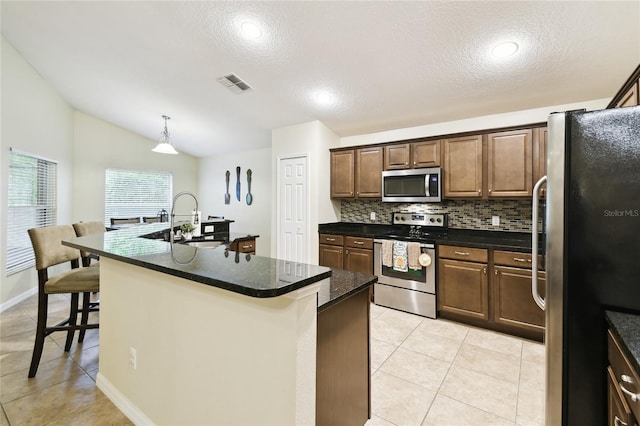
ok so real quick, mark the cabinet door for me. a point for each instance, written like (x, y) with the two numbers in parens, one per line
(463, 288)
(425, 154)
(540, 156)
(397, 156)
(358, 260)
(342, 174)
(512, 302)
(630, 98)
(331, 256)
(369, 172)
(510, 164)
(619, 413)
(463, 167)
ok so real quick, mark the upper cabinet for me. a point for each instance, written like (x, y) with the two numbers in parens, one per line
(510, 164)
(462, 167)
(357, 173)
(629, 93)
(343, 174)
(412, 155)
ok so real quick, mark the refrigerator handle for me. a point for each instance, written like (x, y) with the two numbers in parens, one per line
(534, 243)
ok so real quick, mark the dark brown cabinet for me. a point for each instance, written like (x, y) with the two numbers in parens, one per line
(463, 286)
(510, 164)
(624, 405)
(369, 172)
(491, 289)
(343, 174)
(357, 173)
(511, 300)
(629, 93)
(346, 252)
(630, 98)
(412, 155)
(244, 246)
(462, 167)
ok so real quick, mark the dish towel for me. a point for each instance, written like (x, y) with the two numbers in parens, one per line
(413, 254)
(400, 256)
(387, 253)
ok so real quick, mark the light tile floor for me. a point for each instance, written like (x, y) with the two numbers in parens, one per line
(438, 372)
(424, 372)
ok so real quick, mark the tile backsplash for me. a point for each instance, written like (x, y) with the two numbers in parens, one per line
(515, 215)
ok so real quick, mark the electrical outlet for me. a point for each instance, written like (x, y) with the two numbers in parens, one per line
(133, 358)
(372, 216)
(495, 220)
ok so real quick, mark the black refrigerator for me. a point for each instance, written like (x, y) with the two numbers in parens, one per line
(592, 234)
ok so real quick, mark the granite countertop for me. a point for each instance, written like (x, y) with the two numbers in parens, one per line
(342, 285)
(627, 328)
(502, 240)
(247, 274)
(250, 275)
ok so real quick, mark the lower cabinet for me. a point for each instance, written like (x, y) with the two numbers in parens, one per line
(244, 246)
(491, 289)
(623, 380)
(346, 252)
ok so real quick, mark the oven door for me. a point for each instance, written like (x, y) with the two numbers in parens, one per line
(421, 280)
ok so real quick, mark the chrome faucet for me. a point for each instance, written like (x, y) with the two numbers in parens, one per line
(173, 208)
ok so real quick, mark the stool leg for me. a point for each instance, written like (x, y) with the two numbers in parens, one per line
(84, 319)
(73, 317)
(43, 306)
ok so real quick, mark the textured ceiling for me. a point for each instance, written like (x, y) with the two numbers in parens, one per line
(388, 64)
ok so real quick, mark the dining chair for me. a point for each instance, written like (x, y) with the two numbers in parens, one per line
(83, 229)
(150, 219)
(49, 251)
(121, 221)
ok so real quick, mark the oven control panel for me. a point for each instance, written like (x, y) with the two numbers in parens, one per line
(420, 219)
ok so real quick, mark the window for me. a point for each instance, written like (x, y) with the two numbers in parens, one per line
(32, 204)
(134, 193)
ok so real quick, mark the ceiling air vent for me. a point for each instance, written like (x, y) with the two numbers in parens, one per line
(234, 83)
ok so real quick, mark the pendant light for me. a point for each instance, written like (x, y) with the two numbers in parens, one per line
(165, 146)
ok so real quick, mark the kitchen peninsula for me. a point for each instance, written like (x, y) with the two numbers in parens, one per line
(194, 335)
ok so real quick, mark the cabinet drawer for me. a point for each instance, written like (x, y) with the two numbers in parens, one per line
(625, 375)
(248, 246)
(515, 259)
(357, 242)
(619, 413)
(333, 240)
(463, 253)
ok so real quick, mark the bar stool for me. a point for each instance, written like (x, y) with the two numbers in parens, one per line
(83, 229)
(49, 251)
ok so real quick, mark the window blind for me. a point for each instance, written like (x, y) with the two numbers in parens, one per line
(32, 204)
(135, 193)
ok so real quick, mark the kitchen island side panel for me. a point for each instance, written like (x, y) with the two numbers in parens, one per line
(205, 355)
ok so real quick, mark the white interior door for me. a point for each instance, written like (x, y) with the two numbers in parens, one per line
(293, 214)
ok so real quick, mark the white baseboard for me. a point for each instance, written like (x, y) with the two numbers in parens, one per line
(13, 302)
(122, 402)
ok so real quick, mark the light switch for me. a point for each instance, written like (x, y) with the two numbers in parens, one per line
(373, 215)
(495, 220)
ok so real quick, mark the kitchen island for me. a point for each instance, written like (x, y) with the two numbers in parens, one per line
(203, 336)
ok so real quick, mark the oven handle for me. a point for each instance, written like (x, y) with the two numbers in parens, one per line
(422, 245)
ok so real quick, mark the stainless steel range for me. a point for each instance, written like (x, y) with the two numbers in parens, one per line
(412, 287)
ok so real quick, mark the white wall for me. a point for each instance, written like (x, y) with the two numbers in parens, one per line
(254, 218)
(515, 118)
(35, 120)
(314, 139)
(100, 145)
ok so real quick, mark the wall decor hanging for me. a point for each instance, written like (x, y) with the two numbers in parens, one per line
(249, 196)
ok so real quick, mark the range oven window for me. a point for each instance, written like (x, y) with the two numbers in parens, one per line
(419, 275)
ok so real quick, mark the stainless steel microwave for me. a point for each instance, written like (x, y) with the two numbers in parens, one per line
(412, 185)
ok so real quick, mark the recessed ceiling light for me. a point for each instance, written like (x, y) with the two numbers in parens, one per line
(323, 98)
(251, 30)
(504, 50)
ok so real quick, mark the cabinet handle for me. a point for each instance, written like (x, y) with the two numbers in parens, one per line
(461, 253)
(346, 251)
(358, 242)
(245, 247)
(415, 163)
(331, 239)
(479, 191)
(406, 164)
(489, 190)
(495, 271)
(519, 259)
(628, 380)
(618, 422)
(484, 270)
